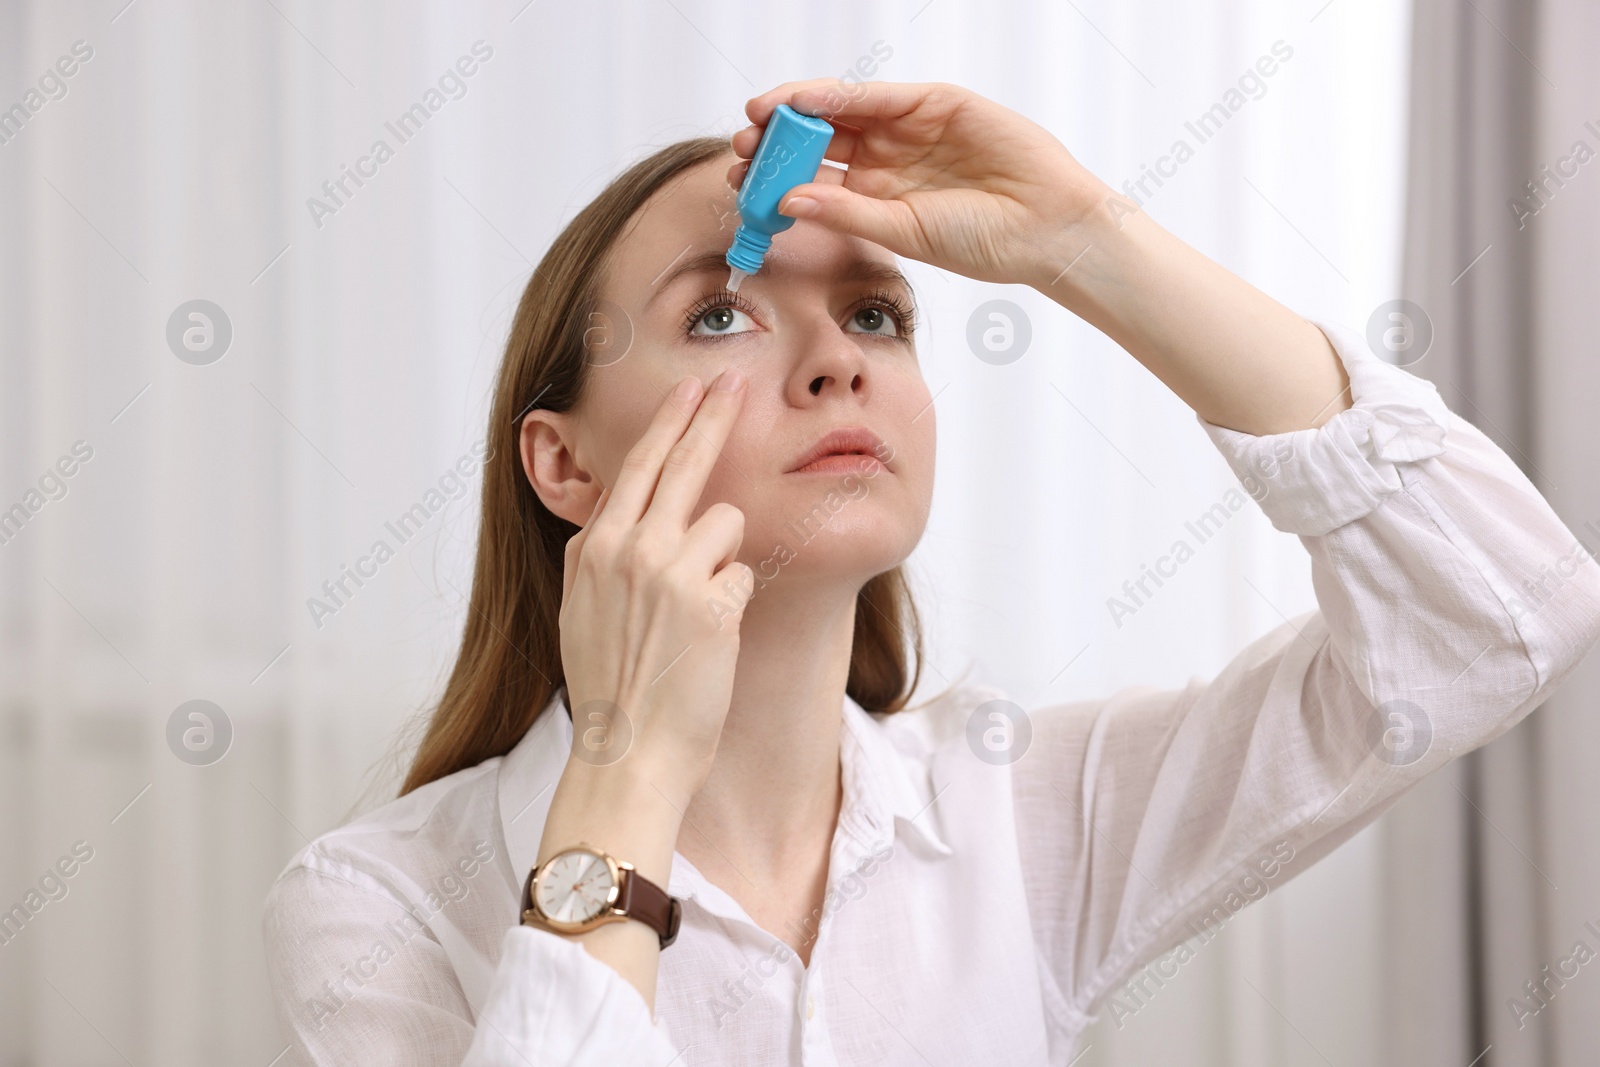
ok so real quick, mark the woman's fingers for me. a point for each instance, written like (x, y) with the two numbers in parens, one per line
(759, 108)
(939, 174)
(830, 175)
(665, 472)
(842, 146)
(713, 541)
(890, 223)
(854, 104)
(641, 467)
(686, 468)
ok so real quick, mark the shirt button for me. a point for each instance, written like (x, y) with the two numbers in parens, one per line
(811, 1007)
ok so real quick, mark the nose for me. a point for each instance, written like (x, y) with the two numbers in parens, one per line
(831, 365)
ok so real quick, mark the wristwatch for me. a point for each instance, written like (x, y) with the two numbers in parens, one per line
(581, 888)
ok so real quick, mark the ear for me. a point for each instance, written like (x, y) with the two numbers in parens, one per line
(547, 443)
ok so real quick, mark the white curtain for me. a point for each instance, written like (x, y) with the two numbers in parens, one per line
(213, 492)
(1491, 867)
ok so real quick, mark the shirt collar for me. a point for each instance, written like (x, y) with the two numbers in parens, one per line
(884, 787)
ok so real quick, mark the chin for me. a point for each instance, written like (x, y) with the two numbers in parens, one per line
(855, 538)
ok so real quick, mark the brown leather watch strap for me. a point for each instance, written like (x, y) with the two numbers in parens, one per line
(642, 899)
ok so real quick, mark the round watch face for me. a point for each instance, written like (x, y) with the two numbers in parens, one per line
(574, 887)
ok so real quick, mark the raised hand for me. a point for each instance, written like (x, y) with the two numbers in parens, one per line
(936, 173)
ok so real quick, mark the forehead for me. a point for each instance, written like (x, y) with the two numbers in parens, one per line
(693, 217)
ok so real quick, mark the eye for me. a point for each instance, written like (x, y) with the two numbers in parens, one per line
(869, 315)
(720, 320)
(882, 313)
(719, 313)
(872, 319)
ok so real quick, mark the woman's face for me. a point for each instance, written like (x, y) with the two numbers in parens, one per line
(816, 333)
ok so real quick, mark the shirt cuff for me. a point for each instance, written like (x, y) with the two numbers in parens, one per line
(1314, 481)
(554, 1003)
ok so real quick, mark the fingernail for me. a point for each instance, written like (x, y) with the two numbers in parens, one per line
(729, 380)
(687, 389)
(800, 207)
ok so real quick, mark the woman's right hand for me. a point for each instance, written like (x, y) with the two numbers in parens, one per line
(644, 651)
(648, 656)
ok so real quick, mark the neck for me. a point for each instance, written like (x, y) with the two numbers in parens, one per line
(774, 790)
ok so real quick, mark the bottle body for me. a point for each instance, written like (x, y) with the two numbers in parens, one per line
(791, 150)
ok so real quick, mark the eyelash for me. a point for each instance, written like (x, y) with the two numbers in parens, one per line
(903, 311)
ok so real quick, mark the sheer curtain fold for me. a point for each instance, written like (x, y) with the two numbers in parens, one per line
(1490, 874)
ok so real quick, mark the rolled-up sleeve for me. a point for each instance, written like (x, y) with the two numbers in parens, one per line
(1451, 601)
(356, 980)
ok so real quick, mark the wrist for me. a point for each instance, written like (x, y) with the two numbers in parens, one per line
(621, 809)
(1100, 261)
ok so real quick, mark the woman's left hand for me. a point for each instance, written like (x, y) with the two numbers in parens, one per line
(936, 173)
(941, 175)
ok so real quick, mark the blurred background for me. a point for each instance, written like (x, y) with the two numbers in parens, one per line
(187, 484)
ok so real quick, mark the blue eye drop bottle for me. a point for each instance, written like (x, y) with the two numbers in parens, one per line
(789, 154)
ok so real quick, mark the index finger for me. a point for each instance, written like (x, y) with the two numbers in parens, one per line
(841, 146)
(832, 98)
(635, 483)
(830, 175)
(683, 483)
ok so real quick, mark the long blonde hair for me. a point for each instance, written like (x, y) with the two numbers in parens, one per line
(509, 665)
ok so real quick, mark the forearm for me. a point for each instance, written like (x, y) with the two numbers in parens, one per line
(1236, 356)
(617, 809)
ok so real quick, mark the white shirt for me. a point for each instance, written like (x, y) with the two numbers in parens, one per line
(988, 911)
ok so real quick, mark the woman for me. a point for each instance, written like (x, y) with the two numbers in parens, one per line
(658, 669)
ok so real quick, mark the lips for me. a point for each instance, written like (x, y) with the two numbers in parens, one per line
(845, 441)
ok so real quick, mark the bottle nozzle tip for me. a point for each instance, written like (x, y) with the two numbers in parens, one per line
(735, 276)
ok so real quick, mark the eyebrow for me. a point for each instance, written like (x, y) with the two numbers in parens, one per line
(858, 270)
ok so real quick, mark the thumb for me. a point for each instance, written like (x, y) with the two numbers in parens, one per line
(883, 222)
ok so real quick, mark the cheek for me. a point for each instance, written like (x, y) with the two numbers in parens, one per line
(618, 409)
(742, 465)
(915, 434)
